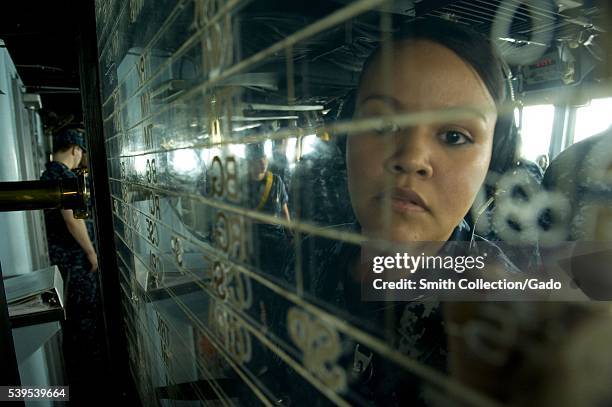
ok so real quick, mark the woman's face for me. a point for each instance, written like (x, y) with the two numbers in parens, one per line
(417, 183)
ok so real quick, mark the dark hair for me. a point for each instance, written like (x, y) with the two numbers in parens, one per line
(476, 50)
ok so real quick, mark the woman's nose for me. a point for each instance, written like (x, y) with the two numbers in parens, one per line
(410, 153)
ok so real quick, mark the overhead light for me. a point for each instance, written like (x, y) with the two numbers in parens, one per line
(521, 42)
(248, 126)
(32, 101)
(262, 118)
(293, 108)
(589, 41)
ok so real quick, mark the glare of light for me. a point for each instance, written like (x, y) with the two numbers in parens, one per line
(268, 148)
(237, 150)
(517, 115)
(536, 130)
(308, 144)
(140, 164)
(204, 154)
(520, 42)
(183, 161)
(592, 119)
(290, 152)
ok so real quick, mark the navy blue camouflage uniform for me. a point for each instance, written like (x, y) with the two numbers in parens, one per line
(81, 329)
(417, 328)
(270, 240)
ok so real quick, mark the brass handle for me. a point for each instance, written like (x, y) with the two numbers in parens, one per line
(69, 193)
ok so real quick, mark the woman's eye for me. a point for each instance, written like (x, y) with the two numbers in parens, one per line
(454, 137)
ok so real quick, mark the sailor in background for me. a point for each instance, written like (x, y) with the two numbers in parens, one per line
(267, 194)
(71, 249)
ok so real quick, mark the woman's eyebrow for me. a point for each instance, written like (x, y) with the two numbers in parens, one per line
(477, 113)
(384, 98)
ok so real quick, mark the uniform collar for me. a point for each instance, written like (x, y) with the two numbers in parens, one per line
(51, 164)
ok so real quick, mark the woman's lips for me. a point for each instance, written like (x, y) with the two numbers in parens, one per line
(406, 200)
(400, 205)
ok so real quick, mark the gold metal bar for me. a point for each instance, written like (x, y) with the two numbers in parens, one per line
(45, 194)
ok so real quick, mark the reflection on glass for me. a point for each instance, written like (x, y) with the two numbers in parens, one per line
(183, 161)
(592, 119)
(243, 196)
(536, 130)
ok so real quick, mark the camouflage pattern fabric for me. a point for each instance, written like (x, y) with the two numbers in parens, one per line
(417, 330)
(271, 242)
(82, 328)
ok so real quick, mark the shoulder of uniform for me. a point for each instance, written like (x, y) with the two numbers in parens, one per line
(57, 170)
